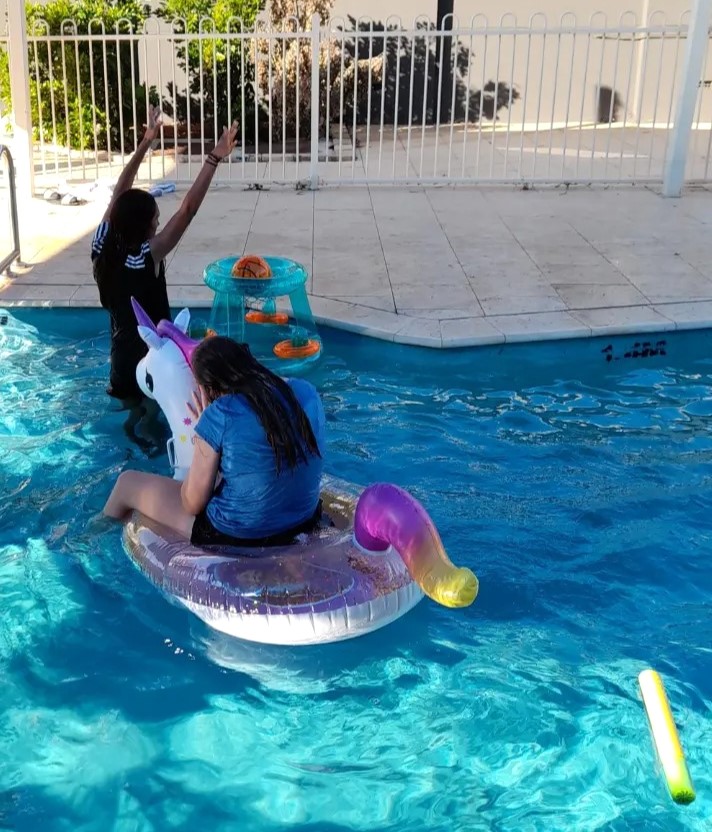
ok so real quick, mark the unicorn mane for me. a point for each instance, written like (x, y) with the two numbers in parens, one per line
(186, 344)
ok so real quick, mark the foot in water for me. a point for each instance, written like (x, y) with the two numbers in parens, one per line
(145, 426)
(99, 524)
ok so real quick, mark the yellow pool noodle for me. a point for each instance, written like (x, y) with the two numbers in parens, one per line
(665, 737)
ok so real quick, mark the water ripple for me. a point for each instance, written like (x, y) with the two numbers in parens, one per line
(579, 491)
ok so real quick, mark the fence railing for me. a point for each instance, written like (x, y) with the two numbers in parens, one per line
(11, 239)
(364, 101)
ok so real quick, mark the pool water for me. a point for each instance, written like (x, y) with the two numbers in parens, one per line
(578, 488)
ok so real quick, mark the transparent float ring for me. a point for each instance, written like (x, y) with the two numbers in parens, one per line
(288, 349)
(258, 316)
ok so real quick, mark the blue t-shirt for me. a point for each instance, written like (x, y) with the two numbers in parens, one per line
(252, 500)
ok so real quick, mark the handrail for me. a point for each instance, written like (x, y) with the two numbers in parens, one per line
(15, 253)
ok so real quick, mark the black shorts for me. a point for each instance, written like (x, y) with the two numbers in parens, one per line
(205, 534)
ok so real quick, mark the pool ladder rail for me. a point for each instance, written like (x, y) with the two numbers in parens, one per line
(7, 260)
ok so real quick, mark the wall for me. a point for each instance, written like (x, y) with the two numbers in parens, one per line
(557, 76)
(492, 9)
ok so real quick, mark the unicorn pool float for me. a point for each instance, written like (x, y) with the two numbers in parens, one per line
(373, 557)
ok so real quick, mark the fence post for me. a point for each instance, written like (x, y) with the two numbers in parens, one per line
(315, 44)
(641, 47)
(697, 37)
(20, 95)
(445, 22)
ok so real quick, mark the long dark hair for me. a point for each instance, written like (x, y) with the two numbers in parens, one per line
(129, 226)
(222, 366)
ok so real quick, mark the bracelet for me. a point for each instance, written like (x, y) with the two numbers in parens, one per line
(214, 159)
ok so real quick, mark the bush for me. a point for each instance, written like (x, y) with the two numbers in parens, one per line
(210, 63)
(360, 61)
(422, 53)
(76, 123)
(290, 58)
(5, 97)
(215, 69)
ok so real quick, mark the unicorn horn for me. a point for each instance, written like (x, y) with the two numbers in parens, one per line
(142, 316)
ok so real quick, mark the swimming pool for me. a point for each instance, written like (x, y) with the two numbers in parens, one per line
(578, 488)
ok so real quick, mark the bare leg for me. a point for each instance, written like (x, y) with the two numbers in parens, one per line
(156, 497)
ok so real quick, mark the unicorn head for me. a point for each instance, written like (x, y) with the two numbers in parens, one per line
(164, 375)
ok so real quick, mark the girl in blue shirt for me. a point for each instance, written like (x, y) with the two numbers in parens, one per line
(257, 465)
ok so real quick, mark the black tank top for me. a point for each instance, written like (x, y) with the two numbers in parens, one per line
(137, 278)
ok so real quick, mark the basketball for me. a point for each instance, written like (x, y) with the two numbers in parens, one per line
(252, 266)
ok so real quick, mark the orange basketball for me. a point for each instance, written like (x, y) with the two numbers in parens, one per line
(252, 266)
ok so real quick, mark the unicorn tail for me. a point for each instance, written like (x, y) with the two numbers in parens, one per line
(388, 516)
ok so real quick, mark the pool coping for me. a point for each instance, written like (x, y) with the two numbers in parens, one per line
(454, 333)
(441, 268)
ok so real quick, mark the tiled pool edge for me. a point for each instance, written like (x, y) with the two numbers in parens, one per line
(636, 263)
(462, 332)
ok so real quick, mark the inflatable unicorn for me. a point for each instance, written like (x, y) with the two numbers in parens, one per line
(165, 375)
(373, 557)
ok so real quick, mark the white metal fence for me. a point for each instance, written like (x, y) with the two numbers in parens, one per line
(568, 101)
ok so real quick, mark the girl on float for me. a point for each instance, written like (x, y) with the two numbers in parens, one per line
(128, 253)
(257, 466)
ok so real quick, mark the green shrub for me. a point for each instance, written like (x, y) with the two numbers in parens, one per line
(5, 98)
(61, 75)
(210, 63)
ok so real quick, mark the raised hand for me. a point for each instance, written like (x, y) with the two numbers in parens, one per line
(227, 142)
(155, 120)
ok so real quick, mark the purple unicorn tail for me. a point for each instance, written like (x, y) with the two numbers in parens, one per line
(388, 516)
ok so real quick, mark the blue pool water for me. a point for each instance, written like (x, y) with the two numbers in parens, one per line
(579, 490)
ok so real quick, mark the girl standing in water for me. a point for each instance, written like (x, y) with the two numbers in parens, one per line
(128, 253)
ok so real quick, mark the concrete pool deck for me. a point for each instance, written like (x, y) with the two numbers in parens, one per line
(439, 267)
